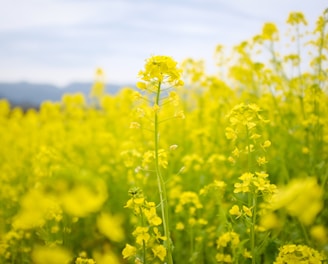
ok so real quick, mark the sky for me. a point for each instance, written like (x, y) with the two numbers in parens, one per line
(64, 41)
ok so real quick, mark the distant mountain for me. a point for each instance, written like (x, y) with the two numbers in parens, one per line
(32, 95)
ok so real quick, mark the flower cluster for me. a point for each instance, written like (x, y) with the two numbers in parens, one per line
(160, 69)
(257, 182)
(298, 254)
(227, 245)
(245, 126)
(188, 205)
(147, 234)
(301, 198)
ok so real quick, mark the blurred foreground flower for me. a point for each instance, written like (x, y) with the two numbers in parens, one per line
(302, 198)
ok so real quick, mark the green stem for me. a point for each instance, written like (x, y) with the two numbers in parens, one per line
(192, 244)
(249, 158)
(254, 204)
(161, 185)
(306, 237)
(143, 242)
(252, 201)
(144, 252)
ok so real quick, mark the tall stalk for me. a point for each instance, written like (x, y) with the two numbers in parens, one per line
(160, 74)
(161, 183)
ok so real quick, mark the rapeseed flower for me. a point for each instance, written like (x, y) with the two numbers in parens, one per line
(159, 251)
(270, 32)
(235, 211)
(111, 226)
(50, 255)
(229, 237)
(301, 198)
(82, 200)
(141, 234)
(296, 18)
(160, 69)
(129, 251)
(298, 254)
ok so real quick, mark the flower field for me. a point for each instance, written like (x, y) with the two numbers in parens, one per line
(186, 168)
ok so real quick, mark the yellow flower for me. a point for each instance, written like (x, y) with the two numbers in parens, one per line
(158, 234)
(236, 152)
(129, 251)
(82, 200)
(141, 234)
(244, 186)
(51, 255)
(241, 187)
(255, 136)
(81, 260)
(162, 158)
(152, 217)
(305, 150)
(319, 233)
(298, 254)
(223, 258)
(261, 174)
(188, 198)
(269, 221)
(270, 32)
(159, 251)
(234, 239)
(106, 257)
(161, 69)
(34, 214)
(247, 254)
(230, 133)
(247, 211)
(235, 211)
(261, 161)
(179, 226)
(295, 18)
(141, 85)
(302, 198)
(227, 237)
(111, 226)
(138, 201)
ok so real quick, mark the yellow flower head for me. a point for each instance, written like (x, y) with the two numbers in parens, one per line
(141, 234)
(161, 69)
(235, 211)
(159, 251)
(270, 32)
(227, 237)
(302, 198)
(296, 18)
(111, 226)
(223, 258)
(298, 254)
(51, 255)
(129, 251)
(247, 211)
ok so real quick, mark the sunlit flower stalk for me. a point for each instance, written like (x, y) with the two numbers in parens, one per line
(161, 182)
(252, 198)
(160, 74)
(245, 122)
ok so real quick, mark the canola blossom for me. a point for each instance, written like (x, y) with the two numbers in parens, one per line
(186, 167)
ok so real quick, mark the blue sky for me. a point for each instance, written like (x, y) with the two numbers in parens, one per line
(62, 41)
